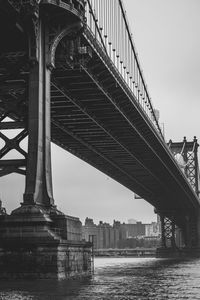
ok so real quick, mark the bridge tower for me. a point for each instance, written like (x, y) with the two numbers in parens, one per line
(175, 237)
(36, 239)
(186, 154)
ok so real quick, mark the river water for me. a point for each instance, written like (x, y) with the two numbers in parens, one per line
(117, 278)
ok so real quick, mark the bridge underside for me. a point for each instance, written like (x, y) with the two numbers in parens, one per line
(93, 109)
(95, 116)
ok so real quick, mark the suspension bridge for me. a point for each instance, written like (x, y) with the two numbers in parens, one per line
(70, 74)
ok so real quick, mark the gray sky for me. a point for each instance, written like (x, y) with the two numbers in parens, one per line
(167, 38)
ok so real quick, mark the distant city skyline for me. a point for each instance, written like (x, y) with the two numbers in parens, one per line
(166, 35)
(119, 235)
(115, 220)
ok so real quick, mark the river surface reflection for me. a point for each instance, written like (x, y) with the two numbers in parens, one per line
(117, 278)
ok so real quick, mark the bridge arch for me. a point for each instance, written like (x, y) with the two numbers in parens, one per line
(71, 31)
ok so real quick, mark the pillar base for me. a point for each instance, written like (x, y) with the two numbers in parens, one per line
(30, 247)
(178, 252)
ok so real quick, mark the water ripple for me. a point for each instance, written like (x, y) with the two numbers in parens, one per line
(117, 278)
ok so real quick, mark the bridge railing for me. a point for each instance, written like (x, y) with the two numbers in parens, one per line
(108, 22)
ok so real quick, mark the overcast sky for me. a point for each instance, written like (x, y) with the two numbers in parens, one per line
(167, 38)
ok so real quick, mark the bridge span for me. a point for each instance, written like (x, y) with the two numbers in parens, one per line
(70, 74)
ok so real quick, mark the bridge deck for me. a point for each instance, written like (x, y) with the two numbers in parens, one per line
(96, 117)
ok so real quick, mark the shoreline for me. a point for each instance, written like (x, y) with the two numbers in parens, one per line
(139, 252)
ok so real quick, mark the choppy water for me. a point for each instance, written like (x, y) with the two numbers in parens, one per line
(117, 278)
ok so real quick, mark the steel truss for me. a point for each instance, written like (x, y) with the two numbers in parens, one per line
(167, 232)
(188, 151)
(185, 234)
(13, 112)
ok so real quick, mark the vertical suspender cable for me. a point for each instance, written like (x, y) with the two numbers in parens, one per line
(107, 20)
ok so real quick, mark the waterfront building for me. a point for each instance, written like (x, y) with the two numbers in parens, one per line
(118, 235)
(152, 230)
(90, 232)
(134, 230)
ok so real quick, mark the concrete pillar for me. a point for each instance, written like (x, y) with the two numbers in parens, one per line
(179, 237)
(163, 241)
(173, 240)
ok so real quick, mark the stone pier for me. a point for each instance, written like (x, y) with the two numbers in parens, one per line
(39, 244)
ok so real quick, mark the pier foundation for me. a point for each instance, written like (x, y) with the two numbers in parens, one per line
(32, 247)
